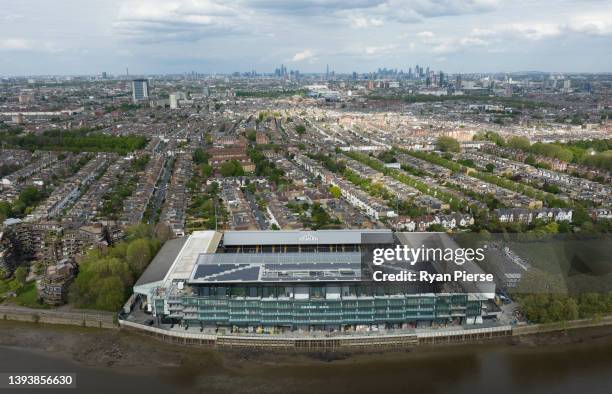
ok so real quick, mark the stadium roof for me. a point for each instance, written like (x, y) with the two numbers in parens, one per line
(277, 267)
(160, 265)
(320, 237)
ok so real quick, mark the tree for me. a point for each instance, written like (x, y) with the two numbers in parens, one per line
(231, 168)
(335, 191)
(110, 294)
(163, 232)
(251, 135)
(200, 157)
(517, 142)
(490, 167)
(141, 230)
(531, 160)
(138, 255)
(206, 170)
(436, 227)
(5, 210)
(580, 216)
(21, 274)
(448, 144)
(300, 129)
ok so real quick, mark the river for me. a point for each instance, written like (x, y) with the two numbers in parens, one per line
(571, 368)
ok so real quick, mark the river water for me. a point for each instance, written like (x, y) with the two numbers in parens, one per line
(584, 368)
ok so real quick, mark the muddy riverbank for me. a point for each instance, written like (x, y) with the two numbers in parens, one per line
(131, 358)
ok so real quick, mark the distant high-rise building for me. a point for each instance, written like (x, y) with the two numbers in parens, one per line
(567, 84)
(173, 101)
(458, 81)
(354, 76)
(205, 91)
(327, 72)
(140, 89)
(104, 76)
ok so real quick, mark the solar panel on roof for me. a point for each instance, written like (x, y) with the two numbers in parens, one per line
(278, 267)
(245, 274)
(205, 270)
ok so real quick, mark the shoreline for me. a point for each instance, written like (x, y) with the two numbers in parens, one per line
(95, 347)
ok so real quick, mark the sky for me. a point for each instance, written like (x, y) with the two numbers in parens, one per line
(70, 37)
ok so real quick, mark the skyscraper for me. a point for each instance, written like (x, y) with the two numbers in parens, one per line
(140, 90)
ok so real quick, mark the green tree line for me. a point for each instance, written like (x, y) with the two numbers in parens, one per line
(106, 277)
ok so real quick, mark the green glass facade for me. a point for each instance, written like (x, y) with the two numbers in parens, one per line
(231, 310)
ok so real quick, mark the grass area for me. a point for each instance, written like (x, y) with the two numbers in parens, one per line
(27, 296)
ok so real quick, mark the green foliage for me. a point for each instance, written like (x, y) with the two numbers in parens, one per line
(490, 136)
(548, 308)
(467, 163)
(335, 191)
(27, 296)
(514, 102)
(403, 177)
(138, 254)
(436, 227)
(552, 150)
(263, 167)
(387, 156)
(300, 129)
(580, 216)
(509, 184)
(519, 142)
(20, 275)
(140, 163)
(78, 140)
(26, 201)
(6, 210)
(600, 160)
(231, 168)
(206, 170)
(200, 156)
(448, 144)
(206, 208)
(251, 135)
(105, 278)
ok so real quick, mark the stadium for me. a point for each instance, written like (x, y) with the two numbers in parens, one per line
(280, 281)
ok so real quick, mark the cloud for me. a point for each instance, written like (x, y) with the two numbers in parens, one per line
(304, 55)
(442, 45)
(376, 13)
(189, 20)
(360, 21)
(12, 17)
(599, 25)
(15, 44)
(22, 45)
(536, 31)
(380, 50)
(426, 36)
(437, 8)
(369, 51)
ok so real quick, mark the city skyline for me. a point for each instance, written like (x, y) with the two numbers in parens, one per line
(64, 38)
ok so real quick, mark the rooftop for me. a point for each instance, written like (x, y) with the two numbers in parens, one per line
(275, 267)
(297, 237)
